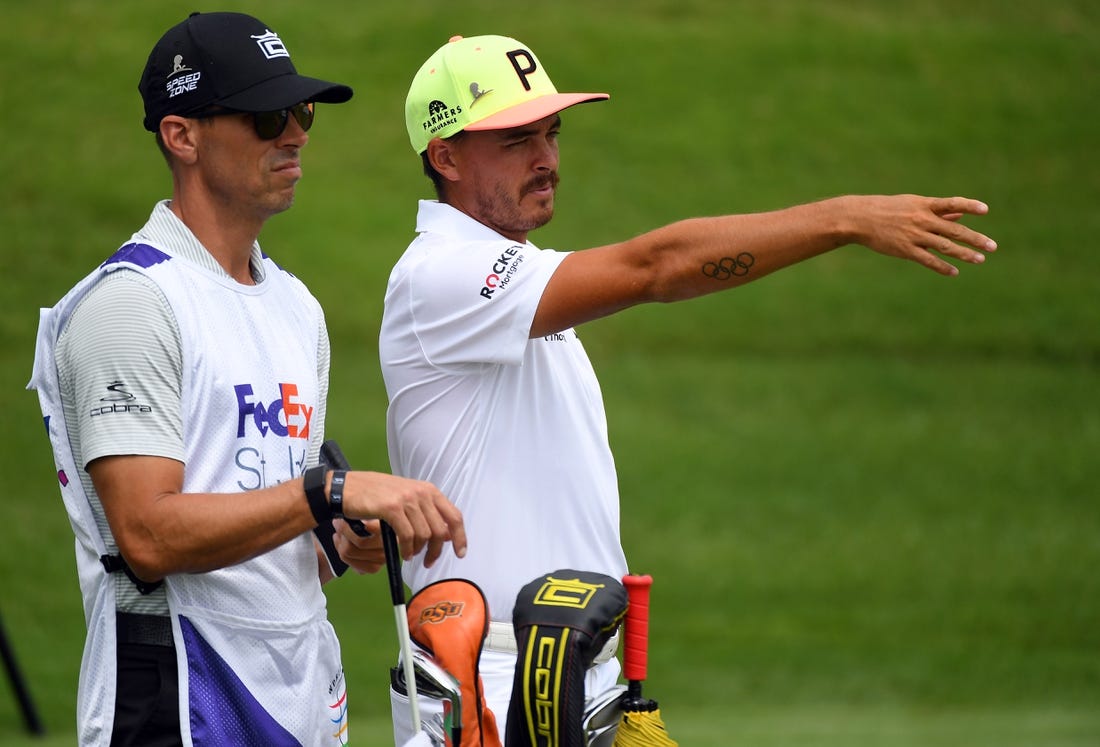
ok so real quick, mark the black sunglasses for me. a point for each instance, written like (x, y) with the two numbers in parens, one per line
(269, 125)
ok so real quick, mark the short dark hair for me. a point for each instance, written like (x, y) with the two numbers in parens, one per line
(431, 173)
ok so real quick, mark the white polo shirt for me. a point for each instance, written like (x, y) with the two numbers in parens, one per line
(511, 429)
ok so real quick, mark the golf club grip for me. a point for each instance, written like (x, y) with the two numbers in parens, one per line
(393, 564)
(333, 455)
(636, 637)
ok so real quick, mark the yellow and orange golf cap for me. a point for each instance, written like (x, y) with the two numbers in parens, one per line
(481, 83)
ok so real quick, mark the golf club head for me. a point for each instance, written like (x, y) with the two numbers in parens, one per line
(433, 728)
(433, 681)
(602, 715)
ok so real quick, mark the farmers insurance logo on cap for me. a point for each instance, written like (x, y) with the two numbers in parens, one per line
(481, 83)
(230, 60)
(440, 116)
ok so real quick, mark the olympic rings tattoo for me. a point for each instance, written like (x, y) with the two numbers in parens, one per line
(729, 266)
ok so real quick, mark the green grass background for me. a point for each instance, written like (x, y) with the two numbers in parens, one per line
(867, 493)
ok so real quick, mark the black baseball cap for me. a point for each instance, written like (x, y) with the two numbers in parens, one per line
(226, 59)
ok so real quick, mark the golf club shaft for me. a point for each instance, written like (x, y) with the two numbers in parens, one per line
(401, 618)
(335, 456)
(397, 594)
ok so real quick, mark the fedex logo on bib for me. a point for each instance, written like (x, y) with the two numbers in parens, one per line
(285, 415)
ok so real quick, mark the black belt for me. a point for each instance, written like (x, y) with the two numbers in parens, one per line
(146, 630)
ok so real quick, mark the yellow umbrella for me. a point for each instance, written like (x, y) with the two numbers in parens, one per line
(641, 724)
(640, 728)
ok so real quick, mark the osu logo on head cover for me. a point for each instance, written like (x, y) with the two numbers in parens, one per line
(440, 611)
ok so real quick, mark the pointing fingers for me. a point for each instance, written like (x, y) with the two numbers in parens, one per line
(934, 233)
(944, 206)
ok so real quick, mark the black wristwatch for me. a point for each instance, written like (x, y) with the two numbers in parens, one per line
(336, 493)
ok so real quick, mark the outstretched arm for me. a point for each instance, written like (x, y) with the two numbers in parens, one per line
(698, 256)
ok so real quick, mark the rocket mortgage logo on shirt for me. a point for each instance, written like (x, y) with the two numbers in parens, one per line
(503, 269)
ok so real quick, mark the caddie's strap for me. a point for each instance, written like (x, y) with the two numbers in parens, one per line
(502, 638)
(314, 483)
(145, 630)
(116, 563)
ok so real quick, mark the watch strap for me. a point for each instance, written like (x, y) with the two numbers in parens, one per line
(336, 493)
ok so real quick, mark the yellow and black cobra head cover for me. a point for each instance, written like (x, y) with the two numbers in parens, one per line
(562, 620)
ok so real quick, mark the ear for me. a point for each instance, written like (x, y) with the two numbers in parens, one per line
(443, 157)
(179, 136)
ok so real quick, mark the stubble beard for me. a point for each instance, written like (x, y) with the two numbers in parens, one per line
(508, 214)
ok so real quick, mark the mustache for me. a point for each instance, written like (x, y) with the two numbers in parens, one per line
(547, 180)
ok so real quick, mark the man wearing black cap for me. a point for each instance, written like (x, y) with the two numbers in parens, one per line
(183, 384)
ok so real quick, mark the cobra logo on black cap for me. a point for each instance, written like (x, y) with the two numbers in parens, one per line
(271, 45)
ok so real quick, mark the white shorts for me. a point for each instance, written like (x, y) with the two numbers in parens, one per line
(497, 672)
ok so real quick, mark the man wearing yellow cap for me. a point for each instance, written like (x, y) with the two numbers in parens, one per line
(492, 396)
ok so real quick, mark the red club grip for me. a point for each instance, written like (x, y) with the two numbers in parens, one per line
(636, 626)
